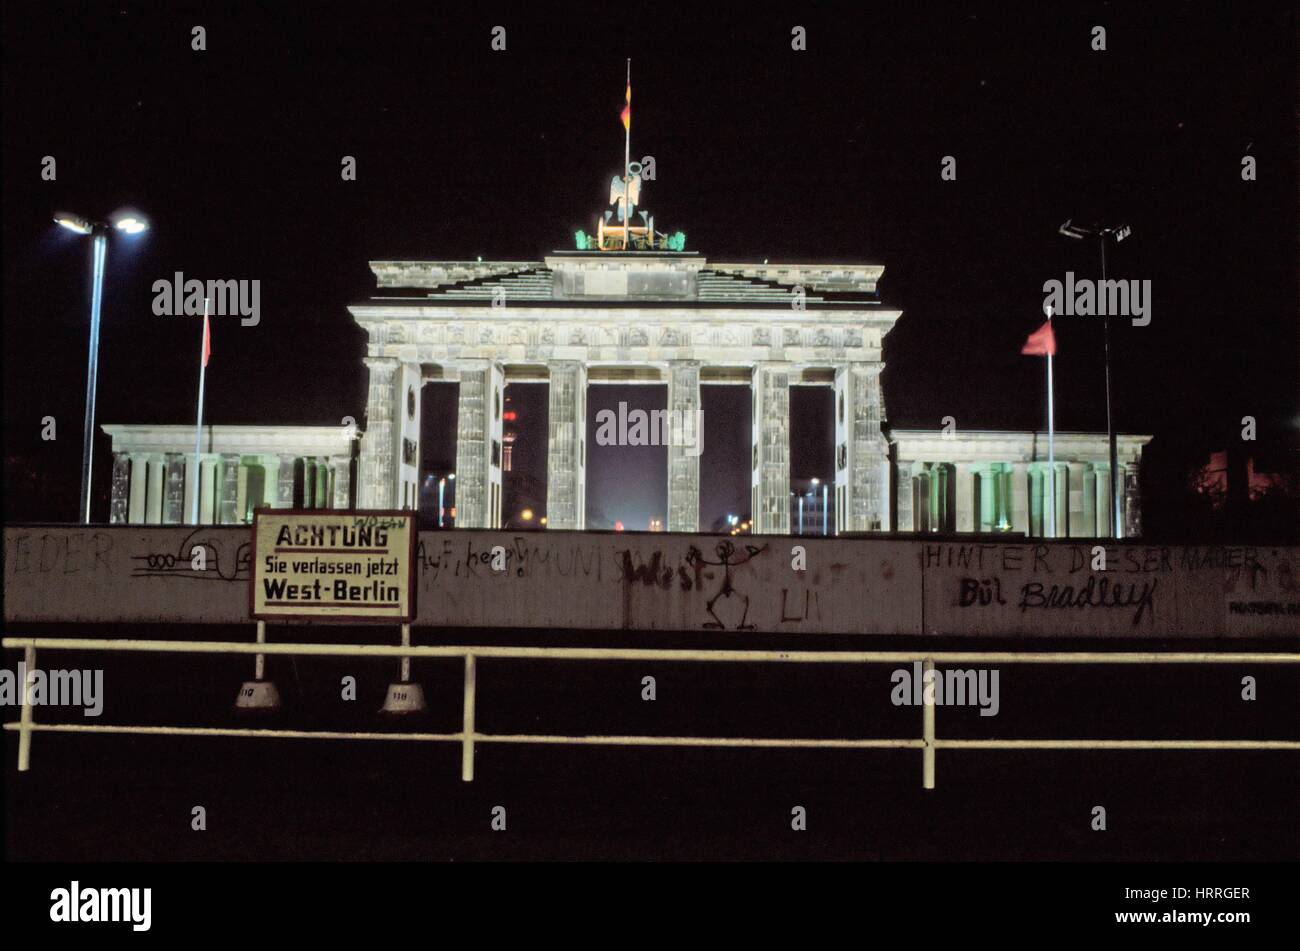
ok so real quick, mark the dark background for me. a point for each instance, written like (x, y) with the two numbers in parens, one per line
(831, 154)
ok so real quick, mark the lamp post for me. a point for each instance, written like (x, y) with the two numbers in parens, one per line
(98, 231)
(1078, 233)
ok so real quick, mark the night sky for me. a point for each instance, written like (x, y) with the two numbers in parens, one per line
(829, 154)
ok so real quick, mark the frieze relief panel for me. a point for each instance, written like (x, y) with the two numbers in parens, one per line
(444, 340)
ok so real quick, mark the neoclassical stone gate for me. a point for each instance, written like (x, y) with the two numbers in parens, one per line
(582, 318)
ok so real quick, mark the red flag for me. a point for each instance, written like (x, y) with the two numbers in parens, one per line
(1040, 343)
(626, 114)
(207, 340)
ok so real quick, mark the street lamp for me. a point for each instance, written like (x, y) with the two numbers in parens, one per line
(1078, 233)
(98, 230)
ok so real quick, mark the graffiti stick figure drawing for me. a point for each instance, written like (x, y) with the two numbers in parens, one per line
(724, 551)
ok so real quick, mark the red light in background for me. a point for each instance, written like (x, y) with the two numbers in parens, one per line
(508, 414)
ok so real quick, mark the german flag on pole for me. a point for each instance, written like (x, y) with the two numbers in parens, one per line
(626, 115)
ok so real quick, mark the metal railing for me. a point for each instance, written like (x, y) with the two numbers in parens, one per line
(928, 743)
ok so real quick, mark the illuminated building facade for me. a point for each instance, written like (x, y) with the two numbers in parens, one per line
(631, 305)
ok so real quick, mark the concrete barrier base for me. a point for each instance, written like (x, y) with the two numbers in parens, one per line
(403, 698)
(258, 696)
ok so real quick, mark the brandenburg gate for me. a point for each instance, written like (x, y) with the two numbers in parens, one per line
(581, 318)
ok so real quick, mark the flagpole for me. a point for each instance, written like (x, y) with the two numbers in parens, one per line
(1042, 342)
(1051, 447)
(198, 427)
(627, 162)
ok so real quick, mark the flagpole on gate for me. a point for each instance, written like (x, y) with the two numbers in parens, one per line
(1051, 439)
(1042, 343)
(204, 350)
(627, 160)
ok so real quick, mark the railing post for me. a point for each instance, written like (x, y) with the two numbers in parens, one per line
(25, 718)
(927, 723)
(406, 661)
(467, 743)
(259, 665)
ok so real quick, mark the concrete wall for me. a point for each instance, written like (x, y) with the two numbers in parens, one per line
(596, 581)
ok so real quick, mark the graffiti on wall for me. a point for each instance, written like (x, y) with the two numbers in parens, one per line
(1144, 584)
(591, 581)
(204, 554)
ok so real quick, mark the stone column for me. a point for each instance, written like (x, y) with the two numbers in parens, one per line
(1062, 500)
(1132, 496)
(139, 488)
(1017, 484)
(566, 448)
(965, 498)
(284, 482)
(408, 384)
(271, 480)
(946, 486)
(770, 481)
(153, 507)
(1037, 500)
(1078, 523)
(922, 499)
(342, 482)
(309, 482)
(241, 492)
(379, 444)
(987, 522)
(174, 502)
(684, 446)
(191, 486)
(861, 467)
(118, 507)
(209, 471)
(227, 513)
(1088, 527)
(324, 493)
(1105, 521)
(478, 444)
(906, 488)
